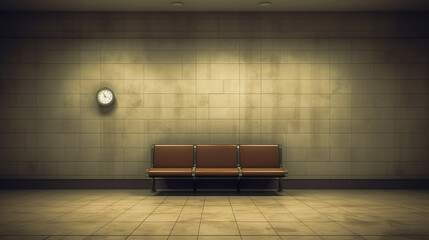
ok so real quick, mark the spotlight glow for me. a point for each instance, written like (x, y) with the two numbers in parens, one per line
(177, 4)
(265, 4)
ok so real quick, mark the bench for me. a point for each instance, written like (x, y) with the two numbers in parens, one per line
(216, 160)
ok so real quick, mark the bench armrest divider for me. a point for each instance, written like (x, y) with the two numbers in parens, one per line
(238, 156)
(152, 150)
(195, 155)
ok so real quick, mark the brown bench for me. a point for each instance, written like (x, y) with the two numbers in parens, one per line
(216, 160)
(262, 161)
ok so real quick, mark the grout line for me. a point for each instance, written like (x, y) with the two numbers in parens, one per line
(233, 213)
(146, 216)
(269, 221)
(111, 221)
(195, 50)
(315, 234)
(239, 93)
(201, 216)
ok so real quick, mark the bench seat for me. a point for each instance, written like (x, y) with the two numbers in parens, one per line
(174, 172)
(263, 172)
(230, 172)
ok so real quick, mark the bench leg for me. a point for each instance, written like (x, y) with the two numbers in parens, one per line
(153, 184)
(195, 185)
(280, 184)
(238, 185)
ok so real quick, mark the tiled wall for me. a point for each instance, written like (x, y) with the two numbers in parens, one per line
(342, 101)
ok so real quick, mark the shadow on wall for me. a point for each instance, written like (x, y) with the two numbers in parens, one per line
(108, 110)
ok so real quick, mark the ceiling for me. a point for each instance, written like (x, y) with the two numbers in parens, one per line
(214, 5)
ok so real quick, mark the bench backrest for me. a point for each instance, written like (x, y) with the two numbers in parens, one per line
(260, 156)
(217, 156)
(173, 156)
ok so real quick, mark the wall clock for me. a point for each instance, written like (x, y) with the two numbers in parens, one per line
(105, 96)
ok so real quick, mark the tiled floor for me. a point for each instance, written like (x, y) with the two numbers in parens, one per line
(138, 214)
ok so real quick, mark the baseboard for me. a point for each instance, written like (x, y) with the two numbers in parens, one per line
(75, 184)
(174, 184)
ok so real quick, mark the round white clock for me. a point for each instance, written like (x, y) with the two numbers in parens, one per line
(105, 96)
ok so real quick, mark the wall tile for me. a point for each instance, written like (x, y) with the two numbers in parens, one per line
(362, 140)
(344, 100)
(340, 140)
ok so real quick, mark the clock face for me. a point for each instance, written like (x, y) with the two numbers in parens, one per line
(105, 96)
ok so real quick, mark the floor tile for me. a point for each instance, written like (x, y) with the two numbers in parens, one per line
(342, 237)
(209, 217)
(175, 202)
(291, 228)
(189, 217)
(26, 238)
(142, 209)
(192, 209)
(327, 228)
(356, 217)
(216, 201)
(292, 215)
(289, 202)
(168, 209)
(28, 217)
(402, 217)
(255, 228)
(328, 209)
(90, 237)
(147, 238)
(311, 217)
(118, 228)
(127, 203)
(260, 238)
(280, 217)
(35, 228)
(154, 228)
(186, 228)
(84, 227)
(245, 209)
(238, 201)
(254, 217)
(218, 228)
(162, 217)
(265, 202)
(368, 228)
(272, 209)
(131, 217)
(194, 203)
(183, 238)
(89, 209)
(219, 238)
(300, 209)
(396, 237)
(300, 238)
(184, 217)
(87, 217)
(217, 209)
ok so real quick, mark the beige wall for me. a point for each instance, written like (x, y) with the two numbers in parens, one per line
(342, 101)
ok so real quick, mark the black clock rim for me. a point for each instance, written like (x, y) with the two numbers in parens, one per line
(105, 88)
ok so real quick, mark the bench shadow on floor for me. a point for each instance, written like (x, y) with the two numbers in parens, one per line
(216, 193)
